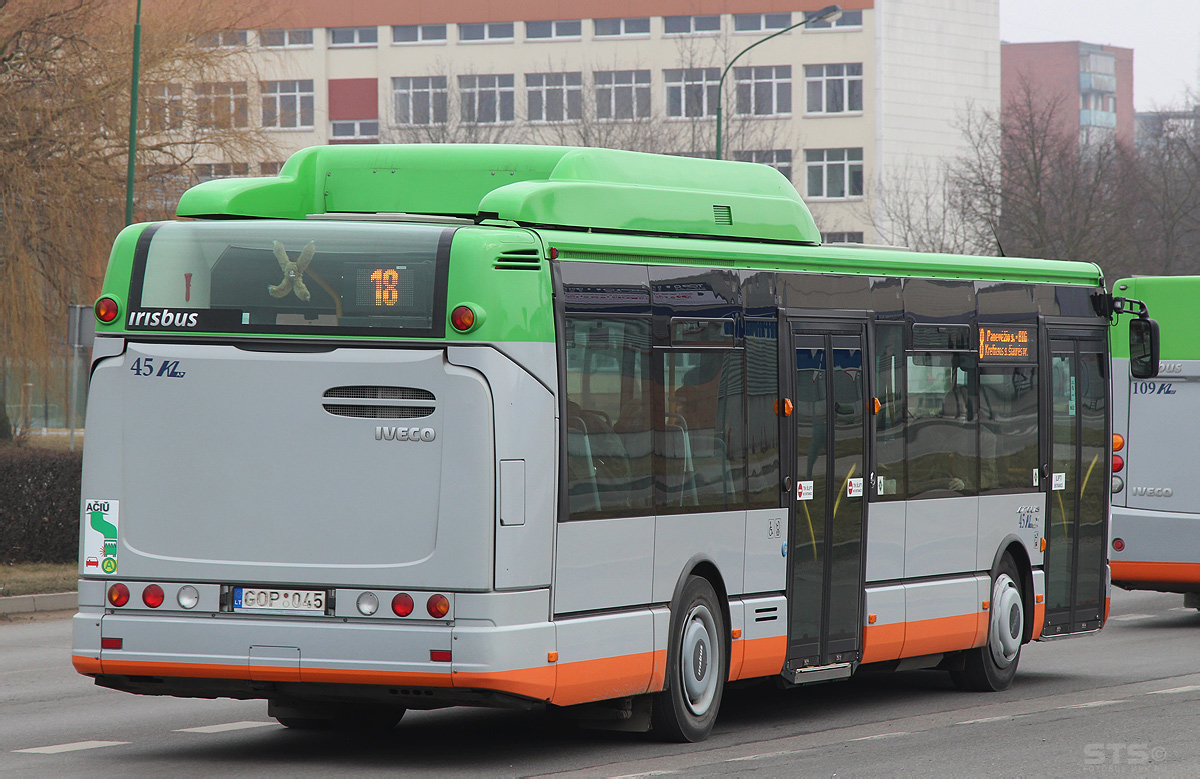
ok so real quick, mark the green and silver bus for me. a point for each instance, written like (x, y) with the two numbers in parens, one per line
(408, 427)
(1156, 496)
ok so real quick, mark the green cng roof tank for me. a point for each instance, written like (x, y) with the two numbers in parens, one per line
(602, 189)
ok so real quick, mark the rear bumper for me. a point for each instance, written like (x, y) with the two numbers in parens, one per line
(1162, 550)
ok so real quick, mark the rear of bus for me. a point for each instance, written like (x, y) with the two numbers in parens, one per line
(319, 466)
(1155, 543)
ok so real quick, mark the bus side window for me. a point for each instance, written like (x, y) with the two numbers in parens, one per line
(942, 439)
(762, 432)
(1008, 428)
(891, 390)
(608, 417)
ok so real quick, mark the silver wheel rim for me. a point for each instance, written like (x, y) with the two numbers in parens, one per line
(699, 660)
(1007, 621)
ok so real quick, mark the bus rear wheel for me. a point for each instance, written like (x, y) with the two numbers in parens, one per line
(992, 666)
(697, 665)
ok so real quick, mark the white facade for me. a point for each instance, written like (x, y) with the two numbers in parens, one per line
(881, 91)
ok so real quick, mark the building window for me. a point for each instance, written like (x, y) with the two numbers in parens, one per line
(848, 237)
(207, 171)
(486, 99)
(164, 107)
(554, 97)
(851, 19)
(763, 90)
(761, 22)
(222, 104)
(287, 104)
(691, 25)
(833, 89)
(285, 39)
(224, 39)
(355, 131)
(353, 36)
(419, 100)
(834, 173)
(492, 31)
(418, 33)
(692, 91)
(571, 28)
(612, 28)
(269, 168)
(622, 94)
(779, 159)
(1098, 62)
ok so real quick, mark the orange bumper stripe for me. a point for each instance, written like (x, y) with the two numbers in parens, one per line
(597, 680)
(882, 642)
(1039, 620)
(1155, 573)
(943, 634)
(762, 656)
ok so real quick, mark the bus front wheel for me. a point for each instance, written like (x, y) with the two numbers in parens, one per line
(992, 666)
(697, 665)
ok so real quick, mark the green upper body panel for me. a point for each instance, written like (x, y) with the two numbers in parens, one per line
(1174, 302)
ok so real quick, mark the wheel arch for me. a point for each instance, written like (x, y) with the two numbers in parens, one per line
(705, 568)
(1014, 548)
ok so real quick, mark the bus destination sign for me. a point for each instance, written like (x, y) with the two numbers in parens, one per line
(1007, 343)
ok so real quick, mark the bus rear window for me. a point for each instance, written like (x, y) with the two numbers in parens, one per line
(277, 277)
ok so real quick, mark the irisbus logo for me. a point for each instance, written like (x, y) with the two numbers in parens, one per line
(164, 318)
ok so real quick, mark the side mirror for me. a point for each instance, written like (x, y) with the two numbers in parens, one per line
(1143, 348)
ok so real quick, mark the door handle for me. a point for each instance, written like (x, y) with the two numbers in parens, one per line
(787, 485)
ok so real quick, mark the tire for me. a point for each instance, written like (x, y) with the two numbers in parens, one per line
(991, 667)
(697, 666)
(341, 718)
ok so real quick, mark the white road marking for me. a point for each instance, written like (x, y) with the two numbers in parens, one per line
(1189, 688)
(986, 719)
(74, 747)
(883, 735)
(648, 773)
(1130, 617)
(765, 755)
(1091, 705)
(225, 728)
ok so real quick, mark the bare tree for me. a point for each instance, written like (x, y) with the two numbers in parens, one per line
(1166, 181)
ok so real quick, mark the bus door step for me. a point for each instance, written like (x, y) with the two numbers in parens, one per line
(819, 673)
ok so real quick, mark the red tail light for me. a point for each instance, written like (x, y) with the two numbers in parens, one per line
(111, 643)
(439, 655)
(463, 318)
(152, 596)
(402, 604)
(1119, 544)
(1118, 463)
(438, 606)
(106, 310)
(118, 595)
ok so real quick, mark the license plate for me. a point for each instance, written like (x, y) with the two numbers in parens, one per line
(256, 599)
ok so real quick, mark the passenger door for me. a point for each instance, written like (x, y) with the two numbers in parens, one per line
(1076, 480)
(824, 378)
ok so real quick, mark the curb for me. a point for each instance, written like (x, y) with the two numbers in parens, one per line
(24, 604)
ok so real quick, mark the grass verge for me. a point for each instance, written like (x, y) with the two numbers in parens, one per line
(36, 578)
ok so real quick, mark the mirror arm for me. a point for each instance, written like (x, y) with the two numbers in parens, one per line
(1118, 306)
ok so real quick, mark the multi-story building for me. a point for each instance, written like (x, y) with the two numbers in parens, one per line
(836, 105)
(1098, 80)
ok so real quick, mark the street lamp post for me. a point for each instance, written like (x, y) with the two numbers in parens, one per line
(133, 110)
(827, 12)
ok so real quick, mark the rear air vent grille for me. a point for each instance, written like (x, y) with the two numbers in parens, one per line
(519, 259)
(379, 393)
(378, 412)
(767, 614)
(723, 215)
(417, 402)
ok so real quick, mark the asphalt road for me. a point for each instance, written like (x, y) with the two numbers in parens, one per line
(1126, 701)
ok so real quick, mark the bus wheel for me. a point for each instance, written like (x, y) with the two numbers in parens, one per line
(992, 666)
(696, 666)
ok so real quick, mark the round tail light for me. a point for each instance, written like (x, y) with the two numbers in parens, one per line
(1118, 463)
(152, 596)
(118, 595)
(188, 597)
(107, 310)
(367, 603)
(402, 604)
(1118, 442)
(462, 318)
(438, 606)
(1119, 544)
